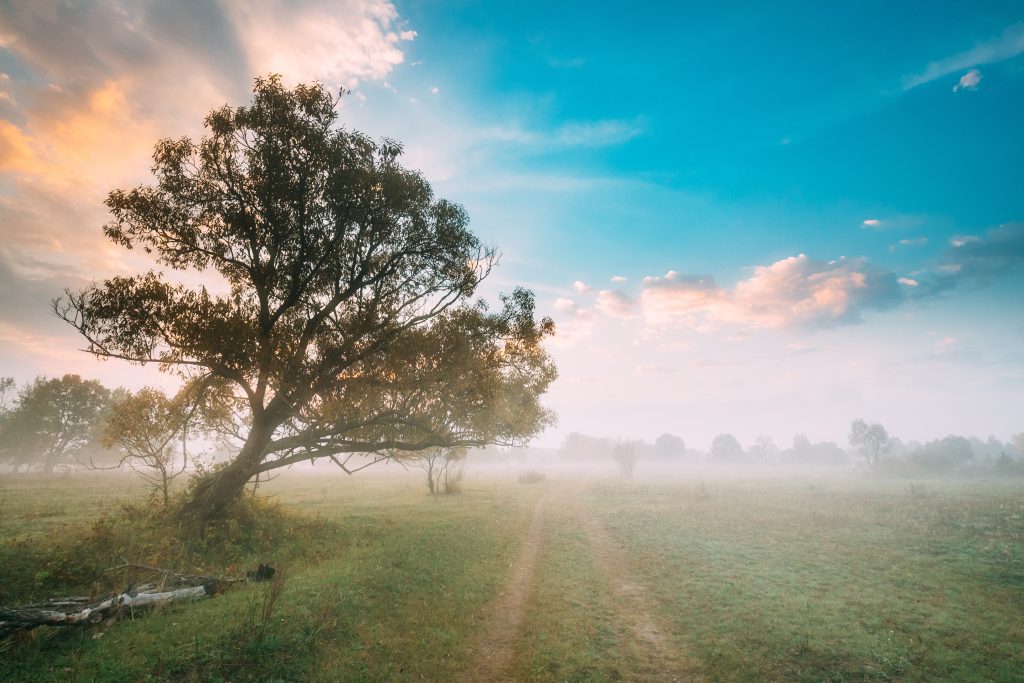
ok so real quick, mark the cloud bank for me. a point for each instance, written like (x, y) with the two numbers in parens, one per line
(799, 292)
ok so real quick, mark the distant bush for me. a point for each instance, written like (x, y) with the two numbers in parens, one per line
(531, 477)
(1008, 467)
(948, 457)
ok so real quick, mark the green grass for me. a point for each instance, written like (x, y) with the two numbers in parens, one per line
(833, 581)
(753, 580)
(572, 634)
(394, 593)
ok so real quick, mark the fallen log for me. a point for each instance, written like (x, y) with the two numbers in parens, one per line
(83, 611)
(50, 612)
(47, 614)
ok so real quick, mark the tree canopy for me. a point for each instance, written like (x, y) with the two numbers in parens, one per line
(726, 448)
(337, 299)
(52, 422)
(870, 440)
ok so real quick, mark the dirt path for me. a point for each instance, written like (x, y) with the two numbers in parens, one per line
(496, 645)
(634, 606)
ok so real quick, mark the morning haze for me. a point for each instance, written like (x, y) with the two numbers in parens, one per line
(373, 340)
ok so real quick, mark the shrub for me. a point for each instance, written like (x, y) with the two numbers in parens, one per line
(531, 477)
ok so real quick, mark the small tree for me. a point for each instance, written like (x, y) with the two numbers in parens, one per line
(153, 430)
(443, 466)
(870, 440)
(764, 449)
(452, 469)
(624, 454)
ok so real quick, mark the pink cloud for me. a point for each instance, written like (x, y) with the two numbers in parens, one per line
(792, 292)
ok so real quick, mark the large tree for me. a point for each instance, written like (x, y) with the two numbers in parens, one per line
(53, 422)
(337, 302)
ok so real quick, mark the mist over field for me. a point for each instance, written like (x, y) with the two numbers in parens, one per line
(380, 340)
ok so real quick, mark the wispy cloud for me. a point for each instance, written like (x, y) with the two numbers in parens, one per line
(598, 133)
(1008, 45)
(909, 242)
(582, 287)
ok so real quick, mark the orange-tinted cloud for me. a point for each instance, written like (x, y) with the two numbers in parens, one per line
(97, 84)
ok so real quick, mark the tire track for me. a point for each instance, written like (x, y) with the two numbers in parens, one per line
(496, 645)
(635, 607)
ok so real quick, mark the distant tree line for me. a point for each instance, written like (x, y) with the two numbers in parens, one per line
(870, 447)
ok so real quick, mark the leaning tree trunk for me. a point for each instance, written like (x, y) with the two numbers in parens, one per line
(213, 496)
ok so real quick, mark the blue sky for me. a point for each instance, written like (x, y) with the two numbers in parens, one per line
(743, 218)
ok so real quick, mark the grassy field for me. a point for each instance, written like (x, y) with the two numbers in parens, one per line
(786, 579)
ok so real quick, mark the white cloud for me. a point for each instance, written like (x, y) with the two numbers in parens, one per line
(961, 240)
(618, 279)
(569, 306)
(341, 43)
(871, 223)
(582, 287)
(908, 282)
(1009, 44)
(574, 323)
(616, 304)
(969, 81)
(434, 90)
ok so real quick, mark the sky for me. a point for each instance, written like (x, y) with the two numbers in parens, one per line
(742, 218)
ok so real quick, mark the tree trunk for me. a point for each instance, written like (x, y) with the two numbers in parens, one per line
(215, 494)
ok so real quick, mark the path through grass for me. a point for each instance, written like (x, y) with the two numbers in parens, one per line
(742, 581)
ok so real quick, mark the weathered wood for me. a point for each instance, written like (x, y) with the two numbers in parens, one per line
(72, 611)
(55, 613)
